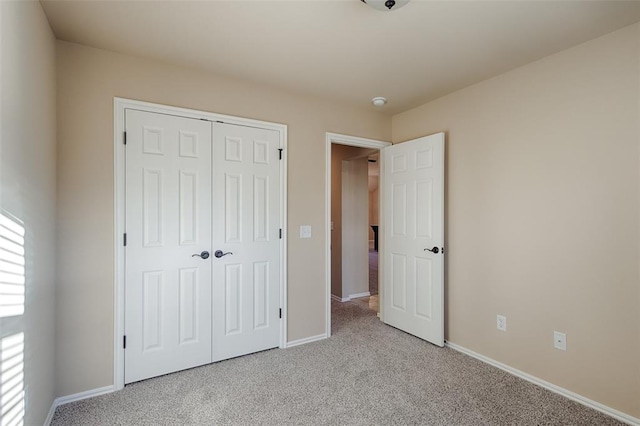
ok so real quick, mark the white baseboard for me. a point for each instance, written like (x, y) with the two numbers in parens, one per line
(350, 297)
(616, 414)
(359, 295)
(76, 397)
(339, 299)
(306, 340)
(52, 411)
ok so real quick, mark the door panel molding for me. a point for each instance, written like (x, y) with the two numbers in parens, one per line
(189, 148)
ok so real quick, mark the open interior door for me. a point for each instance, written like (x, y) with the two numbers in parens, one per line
(413, 237)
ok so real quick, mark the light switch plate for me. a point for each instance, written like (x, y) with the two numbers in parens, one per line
(305, 231)
(501, 323)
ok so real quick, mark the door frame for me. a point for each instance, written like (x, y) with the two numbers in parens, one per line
(339, 139)
(119, 107)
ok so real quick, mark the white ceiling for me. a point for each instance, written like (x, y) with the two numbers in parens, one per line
(342, 49)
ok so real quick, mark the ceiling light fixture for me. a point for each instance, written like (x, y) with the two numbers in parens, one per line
(385, 4)
(379, 101)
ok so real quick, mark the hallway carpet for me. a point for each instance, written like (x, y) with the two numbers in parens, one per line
(367, 373)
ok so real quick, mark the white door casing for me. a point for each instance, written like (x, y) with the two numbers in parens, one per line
(168, 219)
(246, 225)
(413, 201)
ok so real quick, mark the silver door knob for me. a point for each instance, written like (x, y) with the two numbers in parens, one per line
(219, 253)
(203, 255)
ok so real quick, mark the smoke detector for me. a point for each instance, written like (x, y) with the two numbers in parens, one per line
(379, 101)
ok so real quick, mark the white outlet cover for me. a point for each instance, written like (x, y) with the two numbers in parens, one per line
(560, 340)
(305, 231)
(501, 323)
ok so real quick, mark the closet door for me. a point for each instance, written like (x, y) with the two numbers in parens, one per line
(203, 251)
(246, 231)
(168, 231)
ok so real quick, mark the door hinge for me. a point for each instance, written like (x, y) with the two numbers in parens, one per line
(280, 233)
(124, 342)
(280, 153)
(280, 312)
(125, 138)
(125, 239)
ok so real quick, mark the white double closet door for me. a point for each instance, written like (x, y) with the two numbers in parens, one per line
(195, 186)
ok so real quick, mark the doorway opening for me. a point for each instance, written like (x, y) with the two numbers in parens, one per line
(348, 217)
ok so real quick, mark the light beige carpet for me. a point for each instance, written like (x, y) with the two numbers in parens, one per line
(366, 374)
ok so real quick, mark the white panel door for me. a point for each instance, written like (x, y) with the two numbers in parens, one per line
(413, 200)
(246, 229)
(168, 220)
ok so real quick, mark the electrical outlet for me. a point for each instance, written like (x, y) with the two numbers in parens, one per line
(559, 340)
(502, 323)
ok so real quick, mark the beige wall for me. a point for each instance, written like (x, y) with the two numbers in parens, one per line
(27, 190)
(355, 217)
(542, 211)
(338, 153)
(88, 79)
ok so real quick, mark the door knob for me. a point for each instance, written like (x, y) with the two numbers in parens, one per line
(219, 253)
(203, 255)
(434, 250)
